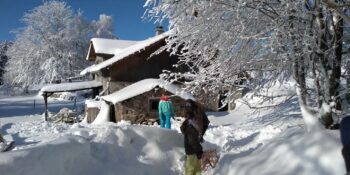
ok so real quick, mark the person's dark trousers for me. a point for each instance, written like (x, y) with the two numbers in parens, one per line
(345, 139)
(346, 156)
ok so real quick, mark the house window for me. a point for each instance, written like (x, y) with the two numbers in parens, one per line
(153, 104)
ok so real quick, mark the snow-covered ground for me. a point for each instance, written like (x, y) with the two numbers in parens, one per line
(11, 106)
(265, 142)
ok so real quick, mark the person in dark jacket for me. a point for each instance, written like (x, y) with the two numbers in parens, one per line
(345, 139)
(199, 117)
(193, 148)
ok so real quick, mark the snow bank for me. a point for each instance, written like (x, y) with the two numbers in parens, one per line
(303, 154)
(118, 148)
(106, 149)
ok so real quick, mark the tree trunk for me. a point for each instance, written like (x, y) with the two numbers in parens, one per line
(317, 84)
(298, 60)
(336, 71)
(326, 117)
(348, 81)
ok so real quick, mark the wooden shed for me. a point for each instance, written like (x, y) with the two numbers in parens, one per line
(50, 89)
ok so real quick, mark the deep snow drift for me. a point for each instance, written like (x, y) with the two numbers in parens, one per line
(104, 149)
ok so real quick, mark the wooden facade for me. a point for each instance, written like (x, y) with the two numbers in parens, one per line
(136, 67)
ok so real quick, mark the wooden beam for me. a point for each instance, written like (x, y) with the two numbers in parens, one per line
(46, 95)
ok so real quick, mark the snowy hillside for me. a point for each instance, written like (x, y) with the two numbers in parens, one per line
(265, 142)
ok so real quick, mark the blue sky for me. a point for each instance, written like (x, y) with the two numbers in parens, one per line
(126, 14)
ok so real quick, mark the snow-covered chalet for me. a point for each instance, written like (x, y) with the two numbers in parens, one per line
(129, 74)
(126, 79)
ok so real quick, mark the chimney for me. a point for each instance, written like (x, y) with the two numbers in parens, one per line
(159, 30)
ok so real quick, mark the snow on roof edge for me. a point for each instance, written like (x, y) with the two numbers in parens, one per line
(125, 53)
(143, 86)
(109, 46)
(70, 86)
(87, 56)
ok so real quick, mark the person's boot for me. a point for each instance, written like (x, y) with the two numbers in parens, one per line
(3, 146)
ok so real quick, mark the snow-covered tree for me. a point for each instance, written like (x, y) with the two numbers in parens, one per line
(3, 58)
(103, 28)
(221, 39)
(51, 46)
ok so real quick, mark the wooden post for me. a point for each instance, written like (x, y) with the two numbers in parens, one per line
(94, 92)
(47, 95)
(45, 99)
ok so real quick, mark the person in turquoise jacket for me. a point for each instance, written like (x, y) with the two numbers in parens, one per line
(166, 110)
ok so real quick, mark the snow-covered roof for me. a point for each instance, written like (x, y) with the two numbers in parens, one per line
(143, 86)
(110, 46)
(91, 103)
(70, 86)
(121, 54)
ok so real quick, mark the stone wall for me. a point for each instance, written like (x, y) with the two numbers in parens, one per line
(141, 106)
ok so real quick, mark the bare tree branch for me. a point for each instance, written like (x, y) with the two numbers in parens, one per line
(337, 9)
